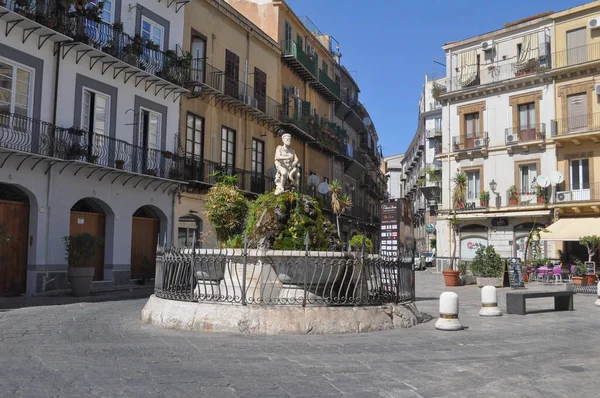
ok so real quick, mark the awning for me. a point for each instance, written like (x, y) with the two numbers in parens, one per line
(572, 229)
(480, 215)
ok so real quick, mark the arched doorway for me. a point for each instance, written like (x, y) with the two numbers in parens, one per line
(144, 238)
(471, 236)
(87, 216)
(189, 227)
(14, 232)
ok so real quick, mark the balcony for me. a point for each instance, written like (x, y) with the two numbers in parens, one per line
(178, 4)
(236, 94)
(434, 134)
(589, 192)
(576, 56)
(523, 137)
(526, 198)
(470, 145)
(194, 169)
(577, 129)
(87, 152)
(326, 87)
(298, 60)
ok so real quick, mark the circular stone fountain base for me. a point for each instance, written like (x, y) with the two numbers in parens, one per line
(277, 319)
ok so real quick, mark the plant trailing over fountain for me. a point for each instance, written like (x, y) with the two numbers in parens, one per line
(226, 207)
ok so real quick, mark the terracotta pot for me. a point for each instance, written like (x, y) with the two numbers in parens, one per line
(451, 277)
(541, 200)
(513, 202)
(590, 279)
(525, 277)
(578, 280)
(483, 203)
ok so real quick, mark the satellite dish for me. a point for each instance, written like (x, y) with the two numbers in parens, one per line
(543, 181)
(271, 172)
(313, 180)
(367, 121)
(323, 188)
(556, 177)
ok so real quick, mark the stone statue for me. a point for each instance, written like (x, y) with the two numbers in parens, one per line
(287, 165)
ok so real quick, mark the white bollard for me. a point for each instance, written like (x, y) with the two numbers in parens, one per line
(448, 319)
(597, 303)
(489, 302)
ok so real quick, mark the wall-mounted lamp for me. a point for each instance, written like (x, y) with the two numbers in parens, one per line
(493, 186)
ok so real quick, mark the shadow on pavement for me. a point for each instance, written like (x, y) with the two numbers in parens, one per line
(12, 303)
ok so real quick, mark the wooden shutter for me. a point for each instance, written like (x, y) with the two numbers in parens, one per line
(285, 101)
(577, 112)
(232, 73)
(576, 46)
(260, 88)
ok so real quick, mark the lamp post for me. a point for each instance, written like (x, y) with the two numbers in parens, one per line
(493, 187)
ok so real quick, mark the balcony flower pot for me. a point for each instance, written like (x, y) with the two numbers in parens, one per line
(513, 201)
(541, 200)
(590, 279)
(483, 203)
(119, 164)
(578, 280)
(451, 277)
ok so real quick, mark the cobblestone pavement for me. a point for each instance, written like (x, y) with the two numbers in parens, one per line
(102, 348)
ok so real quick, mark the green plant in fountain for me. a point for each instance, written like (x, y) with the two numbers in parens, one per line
(339, 202)
(487, 263)
(357, 241)
(226, 207)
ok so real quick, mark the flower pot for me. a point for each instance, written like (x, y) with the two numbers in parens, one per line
(578, 280)
(119, 164)
(541, 199)
(80, 279)
(451, 277)
(526, 277)
(513, 202)
(590, 279)
(483, 203)
(486, 281)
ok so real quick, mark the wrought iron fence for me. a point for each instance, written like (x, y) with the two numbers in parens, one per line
(586, 289)
(242, 276)
(515, 135)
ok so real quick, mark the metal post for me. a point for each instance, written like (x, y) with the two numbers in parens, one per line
(192, 265)
(306, 243)
(245, 255)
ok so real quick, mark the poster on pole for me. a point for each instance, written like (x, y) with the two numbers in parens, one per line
(396, 227)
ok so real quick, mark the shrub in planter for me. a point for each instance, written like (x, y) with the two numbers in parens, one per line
(579, 272)
(80, 250)
(487, 266)
(484, 198)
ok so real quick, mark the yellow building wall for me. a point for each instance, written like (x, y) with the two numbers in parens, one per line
(592, 153)
(567, 23)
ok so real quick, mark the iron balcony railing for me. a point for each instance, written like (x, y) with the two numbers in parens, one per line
(292, 49)
(331, 85)
(249, 277)
(194, 168)
(527, 197)
(535, 132)
(464, 143)
(33, 136)
(586, 191)
(576, 124)
(205, 73)
(434, 133)
(576, 56)
(136, 51)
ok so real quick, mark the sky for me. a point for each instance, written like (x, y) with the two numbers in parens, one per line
(390, 45)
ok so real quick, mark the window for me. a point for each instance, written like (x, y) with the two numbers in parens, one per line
(438, 124)
(580, 174)
(152, 31)
(527, 116)
(577, 116)
(577, 52)
(198, 51)
(325, 68)
(527, 178)
(189, 230)
(258, 166)
(299, 42)
(232, 73)
(519, 47)
(287, 44)
(228, 149)
(15, 89)
(150, 125)
(107, 11)
(95, 114)
(473, 185)
(260, 89)
(472, 125)
(194, 136)
(285, 101)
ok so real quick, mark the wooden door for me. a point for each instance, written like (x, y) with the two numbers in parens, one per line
(95, 225)
(14, 217)
(471, 130)
(232, 74)
(260, 88)
(144, 238)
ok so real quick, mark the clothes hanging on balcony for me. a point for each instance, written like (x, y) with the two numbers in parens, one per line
(530, 50)
(468, 68)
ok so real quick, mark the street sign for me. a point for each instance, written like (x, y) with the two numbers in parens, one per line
(430, 228)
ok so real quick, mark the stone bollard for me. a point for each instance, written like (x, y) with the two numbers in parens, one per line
(489, 302)
(448, 312)
(597, 303)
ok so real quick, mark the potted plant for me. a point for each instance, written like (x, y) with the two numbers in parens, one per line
(119, 164)
(118, 26)
(460, 190)
(80, 250)
(513, 196)
(591, 243)
(541, 194)
(451, 276)
(487, 266)
(484, 198)
(167, 154)
(579, 272)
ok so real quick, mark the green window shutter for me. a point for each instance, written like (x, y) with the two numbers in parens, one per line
(300, 42)
(325, 68)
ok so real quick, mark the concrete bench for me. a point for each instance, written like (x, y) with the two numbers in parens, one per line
(515, 301)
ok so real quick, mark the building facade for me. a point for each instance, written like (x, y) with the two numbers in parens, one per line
(89, 108)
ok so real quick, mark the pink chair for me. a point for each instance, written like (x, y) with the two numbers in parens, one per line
(557, 274)
(571, 271)
(542, 273)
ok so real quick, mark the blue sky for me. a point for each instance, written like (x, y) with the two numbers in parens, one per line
(391, 44)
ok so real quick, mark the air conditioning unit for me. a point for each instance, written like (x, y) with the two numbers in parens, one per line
(597, 89)
(479, 142)
(310, 50)
(563, 196)
(487, 45)
(512, 138)
(295, 92)
(594, 23)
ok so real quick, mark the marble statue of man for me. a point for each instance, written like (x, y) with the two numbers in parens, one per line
(287, 165)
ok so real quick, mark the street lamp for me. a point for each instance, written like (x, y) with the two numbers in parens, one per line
(493, 186)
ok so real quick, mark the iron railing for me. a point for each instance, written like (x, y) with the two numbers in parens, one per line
(331, 85)
(515, 135)
(576, 124)
(576, 56)
(526, 197)
(586, 192)
(205, 73)
(247, 277)
(291, 48)
(33, 136)
(463, 143)
(136, 51)
(434, 133)
(194, 168)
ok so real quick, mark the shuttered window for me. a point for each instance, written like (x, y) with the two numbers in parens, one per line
(577, 112)
(576, 47)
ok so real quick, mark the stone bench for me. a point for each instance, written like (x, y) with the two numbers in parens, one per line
(515, 301)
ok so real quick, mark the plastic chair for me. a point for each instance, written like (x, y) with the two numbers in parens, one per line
(542, 273)
(556, 273)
